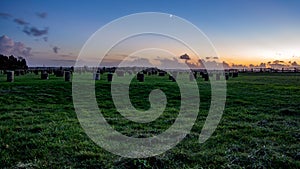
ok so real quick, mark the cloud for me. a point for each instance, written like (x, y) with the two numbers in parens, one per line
(27, 28)
(41, 15)
(62, 60)
(20, 21)
(185, 56)
(55, 49)
(208, 58)
(213, 65)
(5, 15)
(35, 31)
(295, 64)
(45, 39)
(215, 57)
(9, 47)
(277, 64)
(201, 63)
(170, 64)
(175, 63)
(262, 65)
(278, 61)
(225, 65)
(239, 66)
(70, 55)
(138, 62)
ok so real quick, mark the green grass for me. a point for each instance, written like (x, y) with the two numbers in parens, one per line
(259, 129)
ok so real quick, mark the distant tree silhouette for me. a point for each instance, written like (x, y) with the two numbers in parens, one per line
(12, 63)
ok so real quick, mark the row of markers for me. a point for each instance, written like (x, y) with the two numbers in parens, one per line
(140, 75)
(44, 75)
(172, 76)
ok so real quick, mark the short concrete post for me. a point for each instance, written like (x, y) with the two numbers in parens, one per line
(10, 76)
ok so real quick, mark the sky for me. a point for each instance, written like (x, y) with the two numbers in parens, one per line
(52, 33)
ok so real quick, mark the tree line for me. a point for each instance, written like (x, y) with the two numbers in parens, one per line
(12, 63)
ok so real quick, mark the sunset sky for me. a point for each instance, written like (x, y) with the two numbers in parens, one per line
(52, 33)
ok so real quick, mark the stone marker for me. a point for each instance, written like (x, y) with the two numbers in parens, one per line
(17, 73)
(218, 76)
(67, 76)
(59, 73)
(36, 72)
(195, 74)
(235, 74)
(140, 77)
(161, 74)
(96, 76)
(44, 76)
(50, 71)
(226, 76)
(173, 76)
(120, 73)
(192, 77)
(10, 76)
(102, 71)
(109, 77)
(206, 77)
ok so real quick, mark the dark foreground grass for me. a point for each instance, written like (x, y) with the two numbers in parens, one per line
(259, 127)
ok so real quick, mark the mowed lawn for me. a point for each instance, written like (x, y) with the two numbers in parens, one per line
(260, 127)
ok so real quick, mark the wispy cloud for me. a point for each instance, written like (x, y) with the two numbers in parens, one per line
(5, 15)
(55, 49)
(45, 39)
(211, 58)
(28, 29)
(32, 30)
(62, 60)
(35, 31)
(20, 21)
(70, 55)
(41, 15)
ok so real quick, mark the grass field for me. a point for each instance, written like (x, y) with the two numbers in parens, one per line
(260, 127)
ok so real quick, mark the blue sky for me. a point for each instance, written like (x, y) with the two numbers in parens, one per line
(243, 31)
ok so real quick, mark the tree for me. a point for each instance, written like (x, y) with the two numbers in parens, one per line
(12, 63)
